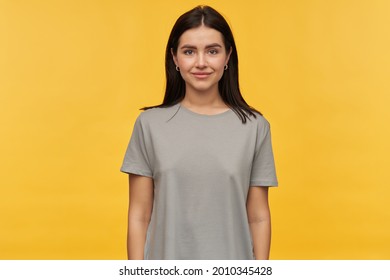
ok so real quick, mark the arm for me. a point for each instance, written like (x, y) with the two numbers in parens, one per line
(140, 211)
(259, 221)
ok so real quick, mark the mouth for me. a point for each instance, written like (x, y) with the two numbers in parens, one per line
(201, 75)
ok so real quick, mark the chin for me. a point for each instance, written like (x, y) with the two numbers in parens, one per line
(202, 88)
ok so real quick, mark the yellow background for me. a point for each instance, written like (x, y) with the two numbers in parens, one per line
(74, 73)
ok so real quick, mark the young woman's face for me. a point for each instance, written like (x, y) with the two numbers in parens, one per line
(201, 57)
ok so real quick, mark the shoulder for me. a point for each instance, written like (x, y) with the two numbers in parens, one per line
(259, 121)
(157, 114)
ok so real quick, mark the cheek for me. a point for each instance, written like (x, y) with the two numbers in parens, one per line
(185, 62)
(219, 62)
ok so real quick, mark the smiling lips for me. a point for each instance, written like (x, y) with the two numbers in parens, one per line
(201, 75)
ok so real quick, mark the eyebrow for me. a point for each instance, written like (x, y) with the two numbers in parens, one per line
(215, 45)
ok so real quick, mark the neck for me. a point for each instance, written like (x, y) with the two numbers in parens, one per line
(210, 98)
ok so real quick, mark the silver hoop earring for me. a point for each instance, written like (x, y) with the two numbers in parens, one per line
(226, 67)
(177, 68)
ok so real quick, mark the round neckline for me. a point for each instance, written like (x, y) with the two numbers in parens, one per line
(204, 115)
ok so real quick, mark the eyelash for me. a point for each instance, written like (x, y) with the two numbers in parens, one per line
(190, 52)
(186, 52)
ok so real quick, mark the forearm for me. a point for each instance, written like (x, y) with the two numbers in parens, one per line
(136, 238)
(261, 236)
(140, 210)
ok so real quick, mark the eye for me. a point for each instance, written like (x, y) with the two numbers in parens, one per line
(188, 52)
(213, 51)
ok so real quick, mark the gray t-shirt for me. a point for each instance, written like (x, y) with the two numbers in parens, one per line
(202, 167)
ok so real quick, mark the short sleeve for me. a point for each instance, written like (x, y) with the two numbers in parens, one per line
(136, 159)
(263, 167)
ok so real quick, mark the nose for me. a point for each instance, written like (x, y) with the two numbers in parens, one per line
(201, 61)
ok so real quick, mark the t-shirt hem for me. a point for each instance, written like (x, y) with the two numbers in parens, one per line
(136, 171)
(262, 183)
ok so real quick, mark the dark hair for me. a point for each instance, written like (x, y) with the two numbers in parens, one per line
(228, 85)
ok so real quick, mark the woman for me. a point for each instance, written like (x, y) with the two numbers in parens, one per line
(200, 164)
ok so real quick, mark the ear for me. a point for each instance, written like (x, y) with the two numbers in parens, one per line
(174, 57)
(228, 55)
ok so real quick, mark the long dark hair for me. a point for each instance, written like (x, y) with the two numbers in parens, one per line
(228, 85)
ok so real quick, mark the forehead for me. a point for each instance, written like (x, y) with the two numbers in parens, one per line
(201, 35)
